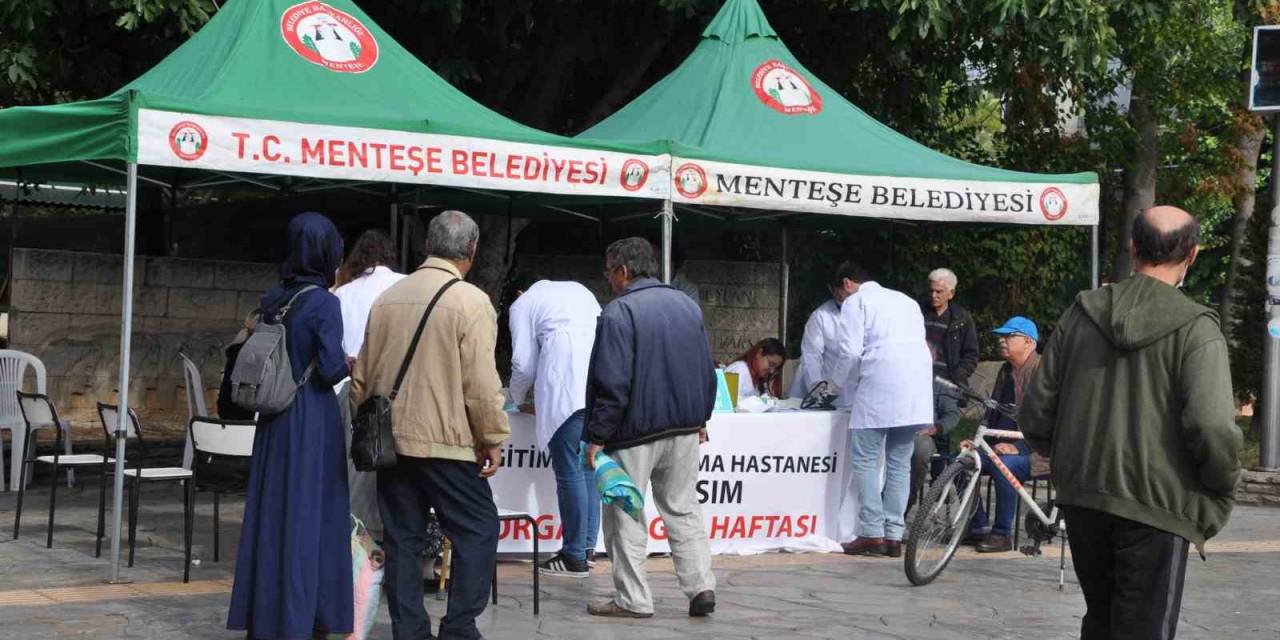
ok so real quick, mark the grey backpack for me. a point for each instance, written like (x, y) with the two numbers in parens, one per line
(262, 379)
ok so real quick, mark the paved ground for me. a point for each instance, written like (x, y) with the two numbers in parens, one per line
(60, 593)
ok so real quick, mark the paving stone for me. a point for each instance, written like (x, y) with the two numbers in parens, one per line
(828, 596)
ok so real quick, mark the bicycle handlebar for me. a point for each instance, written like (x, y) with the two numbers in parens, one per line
(1007, 410)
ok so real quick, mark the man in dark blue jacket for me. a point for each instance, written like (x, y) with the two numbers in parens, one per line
(651, 387)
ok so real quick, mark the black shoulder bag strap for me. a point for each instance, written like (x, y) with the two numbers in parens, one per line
(417, 335)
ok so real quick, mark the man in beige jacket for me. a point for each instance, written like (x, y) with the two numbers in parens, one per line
(449, 427)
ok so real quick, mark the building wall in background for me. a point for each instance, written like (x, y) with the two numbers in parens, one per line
(65, 309)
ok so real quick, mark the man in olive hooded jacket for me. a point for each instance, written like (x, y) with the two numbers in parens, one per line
(1133, 402)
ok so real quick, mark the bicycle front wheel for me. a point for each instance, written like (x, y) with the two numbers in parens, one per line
(940, 521)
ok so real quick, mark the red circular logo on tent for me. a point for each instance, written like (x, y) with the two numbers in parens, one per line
(691, 180)
(784, 90)
(188, 140)
(634, 174)
(1053, 204)
(328, 37)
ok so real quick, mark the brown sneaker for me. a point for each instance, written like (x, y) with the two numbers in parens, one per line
(865, 547)
(610, 609)
(893, 548)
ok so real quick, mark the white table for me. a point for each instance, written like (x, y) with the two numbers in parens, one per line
(769, 482)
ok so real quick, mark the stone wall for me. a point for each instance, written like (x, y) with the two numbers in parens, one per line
(739, 299)
(1260, 487)
(739, 303)
(65, 309)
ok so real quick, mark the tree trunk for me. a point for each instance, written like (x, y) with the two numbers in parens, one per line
(625, 85)
(1250, 132)
(493, 256)
(1139, 176)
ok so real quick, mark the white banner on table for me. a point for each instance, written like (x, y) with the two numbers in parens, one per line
(768, 482)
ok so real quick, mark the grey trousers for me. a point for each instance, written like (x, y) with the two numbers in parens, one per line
(670, 467)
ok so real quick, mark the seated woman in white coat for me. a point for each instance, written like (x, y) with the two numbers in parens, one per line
(759, 369)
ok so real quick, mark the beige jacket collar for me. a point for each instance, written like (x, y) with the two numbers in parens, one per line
(434, 262)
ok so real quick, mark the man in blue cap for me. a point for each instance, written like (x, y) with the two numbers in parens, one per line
(1018, 339)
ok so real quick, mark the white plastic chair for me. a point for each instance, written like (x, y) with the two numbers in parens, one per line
(216, 440)
(13, 372)
(195, 401)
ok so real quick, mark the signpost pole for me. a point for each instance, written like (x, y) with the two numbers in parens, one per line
(1269, 454)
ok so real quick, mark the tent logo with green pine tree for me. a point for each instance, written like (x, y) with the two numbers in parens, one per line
(634, 174)
(784, 90)
(329, 37)
(1053, 204)
(188, 140)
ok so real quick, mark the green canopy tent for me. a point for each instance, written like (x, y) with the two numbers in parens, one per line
(294, 96)
(749, 126)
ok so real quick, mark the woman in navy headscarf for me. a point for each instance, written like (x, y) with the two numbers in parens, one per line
(293, 569)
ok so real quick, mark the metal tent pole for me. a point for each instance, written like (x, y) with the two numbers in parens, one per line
(394, 230)
(1269, 454)
(668, 214)
(126, 333)
(1094, 258)
(784, 289)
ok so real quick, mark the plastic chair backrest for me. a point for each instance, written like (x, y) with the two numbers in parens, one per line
(195, 388)
(223, 437)
(109, 415)
(13, 371)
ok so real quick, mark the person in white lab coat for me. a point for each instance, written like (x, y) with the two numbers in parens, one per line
(888, 387)
(820, 346)
(758, 369)
(364, 275)
(553, 327)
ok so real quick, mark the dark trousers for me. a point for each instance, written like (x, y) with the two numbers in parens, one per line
(1131, 575)
(464, 504)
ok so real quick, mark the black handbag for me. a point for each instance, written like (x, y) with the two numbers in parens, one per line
(373, 445)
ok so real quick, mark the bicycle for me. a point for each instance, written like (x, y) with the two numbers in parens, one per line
(942, 517)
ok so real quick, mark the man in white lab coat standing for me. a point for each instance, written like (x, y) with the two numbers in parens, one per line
(553, 326)
(820, 346)
(888, 386)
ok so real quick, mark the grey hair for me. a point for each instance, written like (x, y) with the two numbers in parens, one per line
(452, 235)
(945, 277)
(636, 254)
